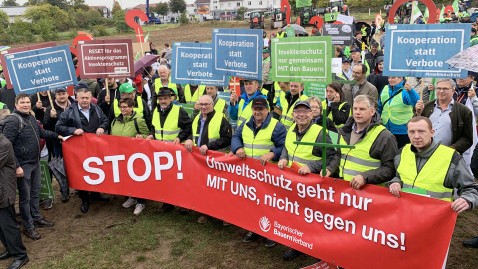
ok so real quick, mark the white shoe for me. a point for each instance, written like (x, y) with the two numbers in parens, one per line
(130, 202)
(138, 209)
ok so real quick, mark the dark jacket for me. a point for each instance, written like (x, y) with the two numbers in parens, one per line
(461, 125)
(39, 113)
(8, 178)
(26, 141)
(278, 136)
(379, 81)
(225, 133)
(7, 96)
(384, 149)
(70, 119)
(49, 122)
(114, 93)
(341, 115)
(184, 122)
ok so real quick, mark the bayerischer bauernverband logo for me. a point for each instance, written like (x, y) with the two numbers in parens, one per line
(265, 224)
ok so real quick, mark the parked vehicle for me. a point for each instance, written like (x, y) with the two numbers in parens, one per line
(278, 19)
(256, 20)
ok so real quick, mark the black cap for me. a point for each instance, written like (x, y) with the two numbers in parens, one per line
(355, 50)
(259, 102)
(165, 91)
(80, 86)
(61, 89)
(302, 103)
(345, 60)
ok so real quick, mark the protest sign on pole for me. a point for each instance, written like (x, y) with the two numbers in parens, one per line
(193, 64)
(42, 69)
(7, 51)
(420, 50)
(106, 58)
(302, 59)
(238, 52)
(320, 216)
(341, 34)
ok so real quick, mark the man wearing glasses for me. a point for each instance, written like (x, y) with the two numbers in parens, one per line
(360, 87)
(451, 120)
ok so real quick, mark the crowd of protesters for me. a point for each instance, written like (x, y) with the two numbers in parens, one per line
(391, 121)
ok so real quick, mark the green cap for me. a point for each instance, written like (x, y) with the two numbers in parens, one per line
(126, 88)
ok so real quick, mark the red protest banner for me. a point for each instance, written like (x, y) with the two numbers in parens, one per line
(320, 216)
(106, 58)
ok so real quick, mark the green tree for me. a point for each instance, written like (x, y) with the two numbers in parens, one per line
(162, 9)
(240, 13)
(79, 5)
(120, 24)
(183, 19)
(116, 8)
(88, 19)
(177, 6)
(60, 19)
(9, 3)
(3, 21)
(19, 32)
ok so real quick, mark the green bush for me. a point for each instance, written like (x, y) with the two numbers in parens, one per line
(99, 30)
(119, 22)
(183, 19)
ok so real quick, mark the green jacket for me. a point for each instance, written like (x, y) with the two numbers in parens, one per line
(129, 126)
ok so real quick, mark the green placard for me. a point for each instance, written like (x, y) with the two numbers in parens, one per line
(46, 191)
(331, 17)
(316, 89)
(302, 59)
(290, 31)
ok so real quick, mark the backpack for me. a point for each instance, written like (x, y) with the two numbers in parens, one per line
(21, 123)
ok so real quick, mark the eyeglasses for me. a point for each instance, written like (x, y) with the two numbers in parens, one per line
(302, 111)
(357, 73)
(203, 104)
(442, 89)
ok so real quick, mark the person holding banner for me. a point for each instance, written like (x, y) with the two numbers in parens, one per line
(170, 123)
(40, 101)
(371, 161)
(9, 230)
(24, 132)
(429, 168)
(240, 107)
(308, 158)
(130, 124)
(288, 100)
(360, 87)
(126, 90)
(79, 118)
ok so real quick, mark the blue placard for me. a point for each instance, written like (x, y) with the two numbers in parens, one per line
(193, 64)
(238, 52)
(41, 69)
(420, 50)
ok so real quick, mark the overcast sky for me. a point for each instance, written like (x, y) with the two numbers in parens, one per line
(109, 3)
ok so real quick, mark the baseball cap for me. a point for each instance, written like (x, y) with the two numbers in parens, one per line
(61, 89)
(259, 102)
(126, 88)
(80, 86)
(355, 50)
(345, 60)
(302, 103)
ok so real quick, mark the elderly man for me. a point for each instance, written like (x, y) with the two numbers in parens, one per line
(451, 120)
(288, 100)
(440, 169)
(192, 93)
(307, 157)
(79, 118)
(210, 129)
(356, 57)
(219, 104)
(164, 80)
(240, 107)
(9, 230)
(360, 87)
(371, 161)
(24, 133)
(395, 106)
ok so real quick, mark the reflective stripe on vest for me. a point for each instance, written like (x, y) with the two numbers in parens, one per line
(395, 110)
(357, 160)
(302, 154)
(287, 118)
(257, 145)
(244, 114)
(431, 176)
(201, 89)
(139, 110)
(158, 85)
(213, 128)
(170, 129)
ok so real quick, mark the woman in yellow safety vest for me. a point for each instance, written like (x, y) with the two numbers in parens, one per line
(338, 110)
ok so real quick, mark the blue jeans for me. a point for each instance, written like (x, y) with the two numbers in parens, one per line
(29, 194)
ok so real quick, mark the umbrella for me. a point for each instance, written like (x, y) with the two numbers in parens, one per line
(145, 61)
(299, 30)
(466, 59)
